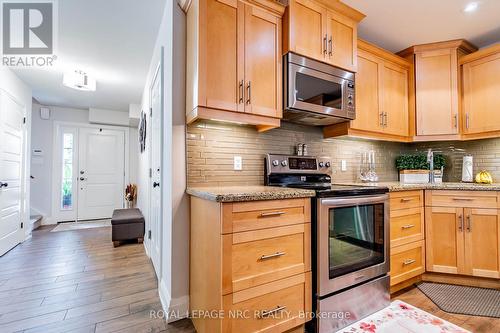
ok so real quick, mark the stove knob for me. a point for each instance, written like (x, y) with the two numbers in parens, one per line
(321, 164)
(327, 164)
(276, 163)
(284, 163)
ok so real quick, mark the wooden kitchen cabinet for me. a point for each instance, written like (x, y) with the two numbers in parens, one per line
(382, 109)
(436, 88)
(481, 84)
(322, 30)
(463, 233)
(234, 62)
(251, 256)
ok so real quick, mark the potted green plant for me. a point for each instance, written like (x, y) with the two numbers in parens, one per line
(413, 168)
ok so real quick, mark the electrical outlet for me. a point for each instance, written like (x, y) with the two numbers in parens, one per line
(343, 165)
(238, 163)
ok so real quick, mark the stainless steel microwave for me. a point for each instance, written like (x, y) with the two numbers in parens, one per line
(316, 93)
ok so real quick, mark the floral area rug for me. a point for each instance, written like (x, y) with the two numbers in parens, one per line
(400, 317)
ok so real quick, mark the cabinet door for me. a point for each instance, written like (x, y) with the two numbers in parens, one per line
(395, 99)
(307, 29)
(436, 92)
(342, 41)
(262, 62)
(444, 239)
(368, 115)
(482, 241)
(221, 65)
(481, 95)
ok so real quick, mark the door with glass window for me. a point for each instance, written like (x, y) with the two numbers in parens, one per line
(91, 172)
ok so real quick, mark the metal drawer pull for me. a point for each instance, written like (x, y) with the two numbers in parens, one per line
(406, 200)
(469, 223)
(330, 44)
(408, 262)
(241, 92)
(324, 44)
(270, 256)
(461, 223)
(408, 226)
(268, 313)
(249, 92)
(271, 214)
(463, 199)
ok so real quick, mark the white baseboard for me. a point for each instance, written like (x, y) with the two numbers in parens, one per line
(175, 308)
(48, 220)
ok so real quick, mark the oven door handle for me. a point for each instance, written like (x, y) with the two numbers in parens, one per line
(367, 199)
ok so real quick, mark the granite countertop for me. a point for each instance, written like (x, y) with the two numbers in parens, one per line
(397, 186)
(247, 193)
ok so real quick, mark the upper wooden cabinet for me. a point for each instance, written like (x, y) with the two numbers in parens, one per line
(323, 30)
(234, 70)
(437, 88)
(481, 98)
(381, 97)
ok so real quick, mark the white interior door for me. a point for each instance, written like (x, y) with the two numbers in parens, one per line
(156, 166)
(11, 166)
(101, 172)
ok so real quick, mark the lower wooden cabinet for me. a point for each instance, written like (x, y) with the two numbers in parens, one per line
(407, 261)
(463, 241)
(250, 265)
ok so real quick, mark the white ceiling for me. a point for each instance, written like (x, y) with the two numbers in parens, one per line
(112, 40)
(397, 24)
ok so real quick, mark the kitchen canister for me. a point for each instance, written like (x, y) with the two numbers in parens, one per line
(467, 172)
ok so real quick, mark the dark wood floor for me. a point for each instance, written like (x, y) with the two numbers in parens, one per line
(75, 281)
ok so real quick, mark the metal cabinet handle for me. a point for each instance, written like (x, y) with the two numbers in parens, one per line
(407, 226)
(469, 223)
(386, 119)
(456, 120)
(271, 256)
(241, 92)
(330, 46)
(467, 120)
(381, 123)
(406, 200)
(268, 313)
(463, 199)
(249, 92)
(408, 262)
(4, 184)
(460, 223)
(270, 214)
(324, 43)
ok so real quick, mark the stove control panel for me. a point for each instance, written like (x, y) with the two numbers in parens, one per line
(297, 164)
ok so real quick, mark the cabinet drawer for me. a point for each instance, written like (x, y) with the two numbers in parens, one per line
(462, 199)
(256, 257)
(406, 199)
(273, 307)
(407, 261)
(407, 226)
(245, 216)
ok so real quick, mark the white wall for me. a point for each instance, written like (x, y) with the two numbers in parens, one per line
(42, 136)
(174, 275)
(108, 117)
(10, 83)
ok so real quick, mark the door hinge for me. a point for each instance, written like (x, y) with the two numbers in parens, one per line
(24, 120)
(22, 225)
(150, 173)
(149, 234)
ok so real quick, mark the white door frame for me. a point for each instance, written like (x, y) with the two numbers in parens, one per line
(56, 156)
(159, 237)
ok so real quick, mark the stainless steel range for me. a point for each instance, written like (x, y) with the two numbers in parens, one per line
(350, 241)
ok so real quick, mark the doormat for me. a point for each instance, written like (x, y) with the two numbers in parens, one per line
(465, 300)
(400, 317)
(68, 226)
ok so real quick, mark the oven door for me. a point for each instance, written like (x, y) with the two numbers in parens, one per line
(352, 241)
(315, 91)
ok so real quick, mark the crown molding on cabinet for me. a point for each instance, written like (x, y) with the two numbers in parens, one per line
(485, 52)
(460, 44)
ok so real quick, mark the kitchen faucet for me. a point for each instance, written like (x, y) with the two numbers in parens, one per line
(430, 160)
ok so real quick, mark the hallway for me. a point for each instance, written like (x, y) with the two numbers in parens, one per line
(75, 281)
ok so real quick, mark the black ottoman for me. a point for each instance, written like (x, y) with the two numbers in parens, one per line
(127, 224)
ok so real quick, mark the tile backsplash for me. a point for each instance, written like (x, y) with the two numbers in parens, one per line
(211, 147)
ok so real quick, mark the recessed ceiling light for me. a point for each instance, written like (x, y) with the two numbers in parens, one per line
(79, 80)
(471, 7)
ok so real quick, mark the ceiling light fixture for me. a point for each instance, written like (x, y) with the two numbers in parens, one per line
(471, 7)
(79, 80)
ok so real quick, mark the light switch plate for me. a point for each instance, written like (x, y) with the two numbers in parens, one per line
(343, 165)
(238, 163)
